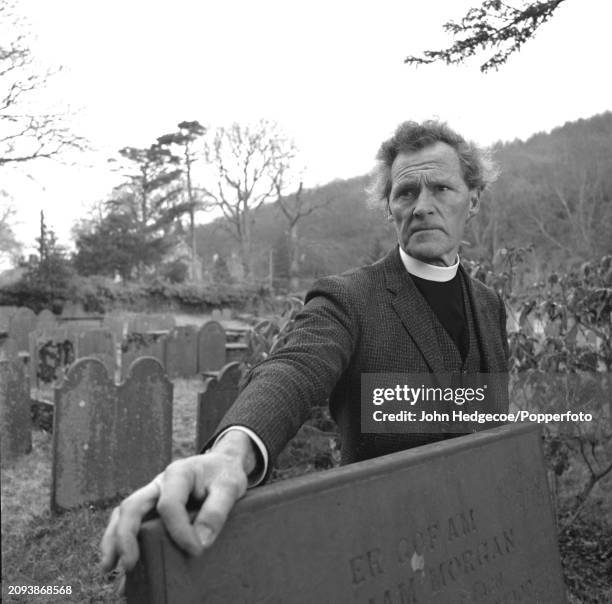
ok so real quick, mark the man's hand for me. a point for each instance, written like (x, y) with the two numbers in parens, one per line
(218, 478)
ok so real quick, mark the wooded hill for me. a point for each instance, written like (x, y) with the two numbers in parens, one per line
(554, 192)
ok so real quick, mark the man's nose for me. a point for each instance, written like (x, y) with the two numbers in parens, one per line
(424, 203)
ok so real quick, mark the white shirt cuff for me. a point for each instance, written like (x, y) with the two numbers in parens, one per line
(258, 478)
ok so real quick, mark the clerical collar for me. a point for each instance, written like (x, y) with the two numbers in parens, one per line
(428, 271)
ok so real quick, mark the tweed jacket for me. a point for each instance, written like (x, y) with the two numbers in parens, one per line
(371, 319)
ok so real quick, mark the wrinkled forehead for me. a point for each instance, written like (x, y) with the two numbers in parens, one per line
(438, 161)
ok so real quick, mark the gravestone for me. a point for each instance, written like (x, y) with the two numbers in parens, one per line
(217, 397)
(181, 358)
(6, 313)
(144, 423)
(117, 324)
(84, 440)
(52, 351)
(211, 347)
(23, 322)
(137, 345)
(15, 422)
(98, 343)
(467, 520)
(109, 439)
(46, 320)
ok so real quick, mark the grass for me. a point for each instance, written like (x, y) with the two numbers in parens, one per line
(39, 549)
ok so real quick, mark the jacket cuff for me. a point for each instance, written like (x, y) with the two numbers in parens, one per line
(261, 466)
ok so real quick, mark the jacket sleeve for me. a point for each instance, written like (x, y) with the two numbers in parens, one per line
(278, 393)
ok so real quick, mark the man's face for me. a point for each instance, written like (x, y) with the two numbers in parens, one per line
(430, 203)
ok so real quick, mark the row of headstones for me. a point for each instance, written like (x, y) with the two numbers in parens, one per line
(183, 351)
(108, 439)
(17, 323)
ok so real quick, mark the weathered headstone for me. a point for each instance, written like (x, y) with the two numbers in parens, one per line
(217, 397)
(138, 345)
(144, 423)
(15, 423)
(109, 439)
(467, 520)
(51, 353)
(46, 320)
(117, 324)
(100, 344)
(182, 352)
(84, 437)
(23, 322)
(6, 313)
(211, 347)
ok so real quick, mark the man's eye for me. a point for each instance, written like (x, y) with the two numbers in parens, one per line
(442, 188)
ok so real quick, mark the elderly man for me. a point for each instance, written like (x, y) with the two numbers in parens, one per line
(414, 311)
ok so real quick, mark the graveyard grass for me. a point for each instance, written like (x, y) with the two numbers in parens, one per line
(38, 549)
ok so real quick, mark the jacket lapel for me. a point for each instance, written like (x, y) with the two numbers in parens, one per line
(412, 310)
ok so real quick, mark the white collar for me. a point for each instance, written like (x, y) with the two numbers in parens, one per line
(428, 271)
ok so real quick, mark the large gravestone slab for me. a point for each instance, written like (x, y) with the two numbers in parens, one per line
(211, 347)
(108, 439)
(84, 439)
(100, 344)
(138, 345)
(464, 521)
(144, 423)
(15, 422)
(6, 313)
(52, 351)
(23, 322)
(217, 397)
(182, 352)
(46, 320)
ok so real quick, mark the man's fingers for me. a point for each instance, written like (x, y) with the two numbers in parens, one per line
(108, 543)
(129, 518)
(177, 486)
(214, 511)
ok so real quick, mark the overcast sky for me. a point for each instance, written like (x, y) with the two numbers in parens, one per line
(330, 72)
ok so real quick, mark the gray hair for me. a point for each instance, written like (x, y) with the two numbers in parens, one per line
(477, 167)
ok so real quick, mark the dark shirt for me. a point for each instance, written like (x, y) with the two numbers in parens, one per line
(446, 300)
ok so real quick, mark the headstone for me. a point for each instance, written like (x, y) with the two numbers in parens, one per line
(218, 396)
(138, 345)
(108, 439)
(15, 423)
(84, 439)
(23, 322)
(182, 352)
(236, 351)
(117, 324)
(144, 423)
(52, 351)
(211, 347)
(467, 520)
(216, 314)
(98, 343)
(226, 313)
(6, 313)
(46, 320)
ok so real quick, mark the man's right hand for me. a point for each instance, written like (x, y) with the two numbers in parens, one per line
(218, 478)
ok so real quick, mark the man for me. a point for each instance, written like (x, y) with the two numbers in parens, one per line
(414, 311)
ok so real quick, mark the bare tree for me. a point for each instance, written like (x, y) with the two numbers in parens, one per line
(494, 24)
(25, 132)
(295, 208)
(246, 165)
